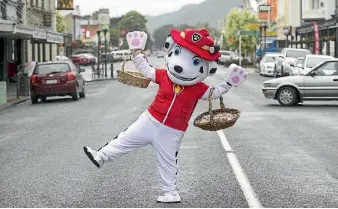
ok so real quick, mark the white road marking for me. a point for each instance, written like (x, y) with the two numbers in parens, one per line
(241, 177)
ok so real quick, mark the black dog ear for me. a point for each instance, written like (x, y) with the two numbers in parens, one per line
(169, 42)
(212, 67)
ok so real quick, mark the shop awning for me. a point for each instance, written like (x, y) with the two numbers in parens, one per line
(322, 25)
(49, 37)
(10, 29)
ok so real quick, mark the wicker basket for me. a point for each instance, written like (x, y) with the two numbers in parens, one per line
(218, 119)
(130, 78)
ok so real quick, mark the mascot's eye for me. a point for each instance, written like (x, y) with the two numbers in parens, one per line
(196, 61)
(177, 50)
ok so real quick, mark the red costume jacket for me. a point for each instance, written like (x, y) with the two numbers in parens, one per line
(174, 104)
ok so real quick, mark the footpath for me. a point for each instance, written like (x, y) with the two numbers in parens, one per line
(88, 76)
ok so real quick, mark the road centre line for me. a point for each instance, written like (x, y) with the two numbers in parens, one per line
(241, 177)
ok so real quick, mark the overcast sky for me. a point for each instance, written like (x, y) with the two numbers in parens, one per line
(145, 7)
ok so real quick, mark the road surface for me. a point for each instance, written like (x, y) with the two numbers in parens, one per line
(288, 154)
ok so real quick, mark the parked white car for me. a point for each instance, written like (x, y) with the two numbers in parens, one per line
(121, 54)
(225, 57)
(288, 56)
(267, 64)
(228, 56)
(310, 61)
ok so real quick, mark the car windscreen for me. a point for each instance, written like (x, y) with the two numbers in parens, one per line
(300, 61)
(297, 53)
(270, 59)
(45, 69)
(313, 61)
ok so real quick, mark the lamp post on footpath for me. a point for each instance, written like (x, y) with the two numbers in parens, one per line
(264, 27)
(105, 52)
(98, 51)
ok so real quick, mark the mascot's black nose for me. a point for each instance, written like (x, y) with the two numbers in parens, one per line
(178, 69)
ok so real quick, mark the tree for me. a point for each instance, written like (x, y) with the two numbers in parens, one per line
(114, 36)
(114, 21)
(160, 35)
(238, 20)
(214, 33)
(184, 26)
(60, 23)
(134, 21)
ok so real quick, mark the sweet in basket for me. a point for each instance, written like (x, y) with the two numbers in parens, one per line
(218, 119)
(136, 40)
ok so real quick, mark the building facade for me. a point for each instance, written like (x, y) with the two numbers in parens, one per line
(91, 23)
(73, 23)
(27, 33)
(45, 40)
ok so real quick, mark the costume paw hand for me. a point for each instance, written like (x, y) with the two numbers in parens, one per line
(137, 40)
(236, 75)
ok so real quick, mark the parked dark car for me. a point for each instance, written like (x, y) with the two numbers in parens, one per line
(60, 78)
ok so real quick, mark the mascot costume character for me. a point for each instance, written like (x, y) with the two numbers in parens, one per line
(191, 57)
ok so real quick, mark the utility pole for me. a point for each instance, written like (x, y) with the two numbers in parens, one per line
(336, 16)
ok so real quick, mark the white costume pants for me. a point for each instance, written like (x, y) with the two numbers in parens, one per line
(147, 130)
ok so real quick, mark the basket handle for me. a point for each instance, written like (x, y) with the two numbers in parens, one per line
(125, 59)
(124, 63)
(210, 104)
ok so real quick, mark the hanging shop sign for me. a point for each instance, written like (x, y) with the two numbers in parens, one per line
(39, 34)
(65, 5)
(316, 37)
(54, 38)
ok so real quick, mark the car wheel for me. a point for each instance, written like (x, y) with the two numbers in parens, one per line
(287, 96)
(44, 99)
(275, 73)
(34, 99)
(76, 96)
(282, 72)
(82, 94)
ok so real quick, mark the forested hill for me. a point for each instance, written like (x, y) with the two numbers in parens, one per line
(210, 11)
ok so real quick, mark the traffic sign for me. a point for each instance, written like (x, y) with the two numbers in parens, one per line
(253, 26)
(257, 22)
(271, 33)
(265, 8)
(249, 33)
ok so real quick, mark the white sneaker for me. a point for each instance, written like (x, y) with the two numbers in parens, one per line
(170, 197)
(94, 156)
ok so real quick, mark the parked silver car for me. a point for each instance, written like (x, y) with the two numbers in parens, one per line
(320, 83)
(228, 56)
(308, 63)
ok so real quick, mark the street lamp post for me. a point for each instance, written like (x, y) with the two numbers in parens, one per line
(264, 27)
(261, 39)
(105, 52)
(98, 52)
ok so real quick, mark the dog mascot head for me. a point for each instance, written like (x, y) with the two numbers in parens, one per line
(191, 56)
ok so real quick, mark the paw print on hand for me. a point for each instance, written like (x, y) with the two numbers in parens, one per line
(137, 39)
(237, 75)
